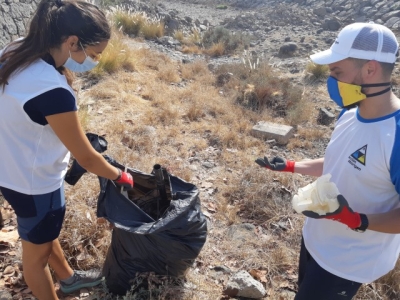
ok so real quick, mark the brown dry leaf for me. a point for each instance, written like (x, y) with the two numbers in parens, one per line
(8, 228)
(101, 221)
(9, 238)
(88, 216)
(99, 243)
(284, 284)
(9, 271)
(83, 293)
(210, 207)
(259, 275)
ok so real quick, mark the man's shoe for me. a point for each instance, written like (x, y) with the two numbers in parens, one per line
(82, 279)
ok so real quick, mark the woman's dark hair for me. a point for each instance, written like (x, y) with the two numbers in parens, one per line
(52, 23)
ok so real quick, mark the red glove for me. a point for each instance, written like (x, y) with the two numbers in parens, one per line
(276, 164)
(344, 214)
(125, 180)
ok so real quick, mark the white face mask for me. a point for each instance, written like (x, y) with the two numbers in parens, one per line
(74, 66)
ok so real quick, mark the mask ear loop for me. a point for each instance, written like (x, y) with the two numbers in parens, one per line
(83, 49)
(377, 85)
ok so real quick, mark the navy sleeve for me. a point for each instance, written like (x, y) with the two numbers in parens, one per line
(395, 158)
(52, 102)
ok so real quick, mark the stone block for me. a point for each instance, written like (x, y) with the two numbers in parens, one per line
(267, 130)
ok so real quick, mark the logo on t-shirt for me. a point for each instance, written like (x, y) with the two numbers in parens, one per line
(358, 156)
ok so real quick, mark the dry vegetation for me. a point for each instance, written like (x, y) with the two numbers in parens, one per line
(148, 118)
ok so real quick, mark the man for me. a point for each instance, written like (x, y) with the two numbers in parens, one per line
(362, 157)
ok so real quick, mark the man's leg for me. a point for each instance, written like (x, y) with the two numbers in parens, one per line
(36, 271)
(315, 283)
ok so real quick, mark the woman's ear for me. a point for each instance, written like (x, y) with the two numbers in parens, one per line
(72, 43)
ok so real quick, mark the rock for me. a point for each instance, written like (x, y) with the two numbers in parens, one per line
(288, 48)
(391, 14)
(267, 130)
(320, 11)
(5, 295)
(241, 232)
(325, 117)
(331, 24)
(243, 285)
(392, 21)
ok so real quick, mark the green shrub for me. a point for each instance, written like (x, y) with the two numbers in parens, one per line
(231, 41)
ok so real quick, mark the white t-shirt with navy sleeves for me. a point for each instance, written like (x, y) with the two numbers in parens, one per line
(32, 158)
(364, 160)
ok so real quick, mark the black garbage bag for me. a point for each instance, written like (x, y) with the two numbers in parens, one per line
(76, 171)
(150, 234)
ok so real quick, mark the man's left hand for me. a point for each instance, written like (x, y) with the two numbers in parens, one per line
(344, 214)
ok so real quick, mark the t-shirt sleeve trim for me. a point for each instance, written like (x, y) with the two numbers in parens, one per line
(55, 101)
(395, 157)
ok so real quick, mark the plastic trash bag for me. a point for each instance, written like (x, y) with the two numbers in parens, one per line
(76, 171)
(150, 234)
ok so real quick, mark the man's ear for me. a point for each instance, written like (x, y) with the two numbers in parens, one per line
(371, 68)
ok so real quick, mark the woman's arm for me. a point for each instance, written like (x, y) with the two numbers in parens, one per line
(68, 129)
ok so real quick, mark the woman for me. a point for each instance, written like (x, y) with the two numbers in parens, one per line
(39, 126)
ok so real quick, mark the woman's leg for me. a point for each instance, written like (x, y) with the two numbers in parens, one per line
(58, 262)
(36, 271)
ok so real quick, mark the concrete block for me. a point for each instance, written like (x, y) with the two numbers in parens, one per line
(267, 130)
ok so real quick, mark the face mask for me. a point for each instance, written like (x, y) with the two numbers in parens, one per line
(74, 66)
(346, 94)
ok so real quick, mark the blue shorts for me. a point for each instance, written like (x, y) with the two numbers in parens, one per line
(39, 217)
(315, 283)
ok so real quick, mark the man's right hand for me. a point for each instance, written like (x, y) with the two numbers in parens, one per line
(276, 164)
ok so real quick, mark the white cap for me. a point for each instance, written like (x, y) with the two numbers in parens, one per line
(363, 41)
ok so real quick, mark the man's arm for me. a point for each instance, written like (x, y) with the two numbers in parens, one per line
(388, 222)
(310, 167)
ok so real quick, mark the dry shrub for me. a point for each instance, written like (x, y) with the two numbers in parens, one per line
(168, 73)
(152, 29)
(195, 112)
(154, 60)
(138, 24)
(115, 57)
(191, 49)
(194, 37)
(220, 35)
(313, 133)
(130, 23)
(260, 89)
(215, 50)
(317, 71)
(179, 35)
(195, 69)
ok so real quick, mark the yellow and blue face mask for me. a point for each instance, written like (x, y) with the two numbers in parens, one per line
(347, 94)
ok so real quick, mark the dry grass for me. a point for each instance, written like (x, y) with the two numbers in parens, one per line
(215, 50)
(152, 29)
(179, 35)
(317, 71)
(116, 56)
(192, 49)
(138, 24)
